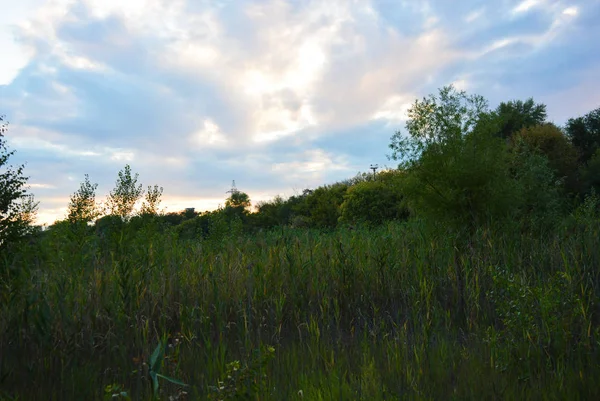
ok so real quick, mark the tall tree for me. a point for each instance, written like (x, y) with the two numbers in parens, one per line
(457, 169)
(238, 200)
(17, 207)
(515, 115)
(82, 206)
(152, 201)
(584, 133)
(127, 192)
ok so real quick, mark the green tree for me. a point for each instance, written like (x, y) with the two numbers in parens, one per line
(538, 198)
(17, 207)
(272, 213)
(235, 213)
(238, 200)
(373, 202)
(82, 205)
(436, 121)
(457, 169)
(515, 115)
(127, 192)
(548, 140)
(584, 133)
(323, 205)
(151, 204)
(590, 174)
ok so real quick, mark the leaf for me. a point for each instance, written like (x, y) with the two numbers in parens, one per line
(154, 377)
(157, 357)
(174, 381)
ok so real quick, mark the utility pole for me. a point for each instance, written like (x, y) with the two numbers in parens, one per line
(374, 167)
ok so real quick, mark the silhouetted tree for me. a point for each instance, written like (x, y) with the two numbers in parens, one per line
(152, 201)
(17, 207)
(82, 205)
(515, 115)
(584, 133)
(126, 193)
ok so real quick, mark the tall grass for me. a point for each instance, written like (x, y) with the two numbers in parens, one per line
(396, 312)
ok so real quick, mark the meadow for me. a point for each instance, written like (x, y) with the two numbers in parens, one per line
(401, 311)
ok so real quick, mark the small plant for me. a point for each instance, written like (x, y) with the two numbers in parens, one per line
(243, 382)
(156, 361)
(115, 392)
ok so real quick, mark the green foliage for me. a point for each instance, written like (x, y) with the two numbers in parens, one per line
(322, 206)
(157, 359)
(238, 200)
(152, 201)
(273, 213)
(548, 140)
(115, 392)
(370, 313)
(515, 115)
(457, 170)
(402, 310)
(374, 202)
(590, 174)
(538, 197)
(436, 121)
(195, 228)
(584, 133)
(17, 207)
(127, 192)
(244, 382)
(82, 205)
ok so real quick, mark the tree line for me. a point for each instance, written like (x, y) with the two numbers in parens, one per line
(461, 165)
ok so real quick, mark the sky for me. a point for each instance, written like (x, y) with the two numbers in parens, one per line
(277, 95)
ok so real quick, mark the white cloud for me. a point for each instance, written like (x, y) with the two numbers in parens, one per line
(121, 155)
(311, 167)
(210, 134)
(526, 5)
(394, 109)
(254, 85)
(41, 186)
(474, 15)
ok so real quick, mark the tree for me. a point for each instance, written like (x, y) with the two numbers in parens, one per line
(123, 197)
(584, 133)
(323, 205)
(272, 213)
(457, 169)
(152, 201)
(515, 115)
(235, 211)
(464, 173)
(17, 207)
(435, 121)
(82, 206)
(374, 202)
(238, 200)
(590, 174)
(548, 140)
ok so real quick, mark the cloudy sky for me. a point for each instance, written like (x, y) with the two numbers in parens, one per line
(277, 95)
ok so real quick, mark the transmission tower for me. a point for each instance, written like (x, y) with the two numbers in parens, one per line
(233, 189)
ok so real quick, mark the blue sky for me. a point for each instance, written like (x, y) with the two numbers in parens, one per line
(277, 95)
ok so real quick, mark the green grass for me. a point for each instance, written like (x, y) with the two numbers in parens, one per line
(397, 312)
